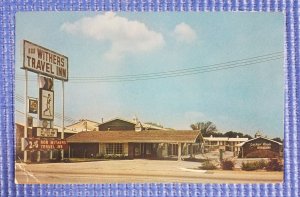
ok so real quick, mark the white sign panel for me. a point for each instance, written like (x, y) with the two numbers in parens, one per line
(45, 132)
(46, 104)
(44, 61)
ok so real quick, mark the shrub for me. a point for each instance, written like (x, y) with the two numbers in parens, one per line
(274, 165)
(262, 164)
(122, 156)
(114, 156)
(99, 156)
(227, 165)
(255, 165)
(67, 161)
(250, 166)
(207, 165)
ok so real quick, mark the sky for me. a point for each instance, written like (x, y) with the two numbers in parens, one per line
(100, 44)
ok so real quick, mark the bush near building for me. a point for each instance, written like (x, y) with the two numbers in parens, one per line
(249, 166)
(274, 165)
(262, 164)
(271, 165)
(111, 156)
(114, 156)
(256, 165)
(227, 164)
(207, 165)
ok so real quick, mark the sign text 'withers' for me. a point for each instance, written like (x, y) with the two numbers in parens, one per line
(44, 61)
(40, 144)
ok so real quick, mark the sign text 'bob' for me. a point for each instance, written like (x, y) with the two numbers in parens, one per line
(44, 61)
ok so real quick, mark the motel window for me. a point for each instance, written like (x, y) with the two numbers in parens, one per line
(114, 148)
(173, 149)
(118, 149)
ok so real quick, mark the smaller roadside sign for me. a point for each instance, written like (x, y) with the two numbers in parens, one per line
(40, 144)
(46, 105)
(221, 147)
(44, 132)
(46, 83)
(33, 105)
(30, 121)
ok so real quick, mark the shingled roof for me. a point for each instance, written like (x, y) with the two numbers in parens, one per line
(145, 125)
(150, 136)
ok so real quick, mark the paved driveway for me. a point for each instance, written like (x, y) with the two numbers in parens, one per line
(136, 171)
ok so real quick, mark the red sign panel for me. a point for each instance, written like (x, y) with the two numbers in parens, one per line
(35, 144)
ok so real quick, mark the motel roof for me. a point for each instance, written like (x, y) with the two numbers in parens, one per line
(241, 144)
(145, 125)
(83, 125)
(147, 136)
(237, 139)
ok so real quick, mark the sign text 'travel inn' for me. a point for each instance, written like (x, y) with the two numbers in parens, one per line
(44, 61)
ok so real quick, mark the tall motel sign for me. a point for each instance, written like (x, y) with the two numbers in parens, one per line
(48, 65)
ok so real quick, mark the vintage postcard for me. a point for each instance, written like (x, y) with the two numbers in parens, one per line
(116, 97)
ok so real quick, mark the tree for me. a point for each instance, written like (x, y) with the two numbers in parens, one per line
(233, 134)
(248, 136)
(277, 139)
(207, 128)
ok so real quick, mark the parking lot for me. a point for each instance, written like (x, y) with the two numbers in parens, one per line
(135, 171)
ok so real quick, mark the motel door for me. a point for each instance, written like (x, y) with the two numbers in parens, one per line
(144, 150)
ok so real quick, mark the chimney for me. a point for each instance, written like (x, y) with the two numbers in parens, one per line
(138, 127)
(258, 134)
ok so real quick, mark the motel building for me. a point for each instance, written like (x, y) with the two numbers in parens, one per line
(83, 125)
(228, 144)
(134, 139)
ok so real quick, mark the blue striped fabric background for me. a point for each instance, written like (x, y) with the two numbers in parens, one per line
(290, 187)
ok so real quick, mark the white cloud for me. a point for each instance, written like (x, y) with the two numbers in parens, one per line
(184, 33)
(124, 36)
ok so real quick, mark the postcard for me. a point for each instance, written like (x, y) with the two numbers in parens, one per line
(119, 97)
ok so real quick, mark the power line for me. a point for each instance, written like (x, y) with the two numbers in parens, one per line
(32, 117)
(255, 59)
(176, 74)
(180, 72)
(275, 54)
(57, 115)
(261, 57)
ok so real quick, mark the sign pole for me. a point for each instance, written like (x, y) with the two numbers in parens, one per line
(63, 116)
(26, 114)
(38, 121)
(51, 124)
